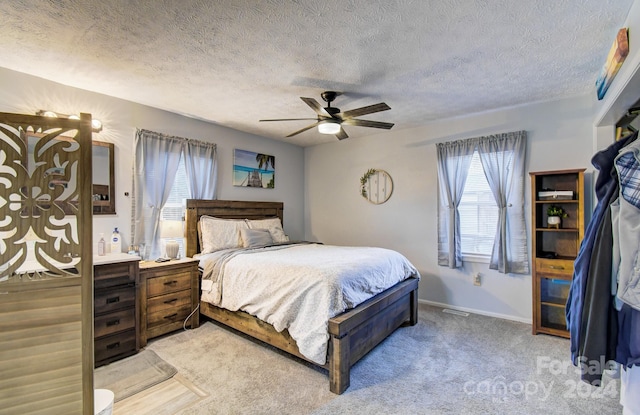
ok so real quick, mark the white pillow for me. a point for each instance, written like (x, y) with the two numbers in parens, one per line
(273, 225)
(255, 237)
(217, 234)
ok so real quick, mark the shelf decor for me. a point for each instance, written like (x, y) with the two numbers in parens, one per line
(555, 215)
(376, 186)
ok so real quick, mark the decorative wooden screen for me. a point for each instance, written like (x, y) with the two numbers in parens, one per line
(46, 279)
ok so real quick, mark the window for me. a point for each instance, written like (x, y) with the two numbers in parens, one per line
(469, 220)
(478, 213)
(167, 168)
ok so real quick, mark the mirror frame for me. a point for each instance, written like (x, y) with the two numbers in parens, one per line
(105, 207)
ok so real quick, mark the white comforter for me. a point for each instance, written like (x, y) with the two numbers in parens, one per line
(300, 287)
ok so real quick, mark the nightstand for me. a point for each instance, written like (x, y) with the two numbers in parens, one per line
(169, 292)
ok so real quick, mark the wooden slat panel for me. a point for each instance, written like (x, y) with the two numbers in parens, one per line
(42, 374)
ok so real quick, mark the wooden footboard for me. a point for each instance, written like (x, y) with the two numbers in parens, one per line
(352, 334)
(356, 332)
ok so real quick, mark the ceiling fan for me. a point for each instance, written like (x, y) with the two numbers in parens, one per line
(330, 120)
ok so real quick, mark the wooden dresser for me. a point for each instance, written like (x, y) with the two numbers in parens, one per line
(169, 292)
(116, 307)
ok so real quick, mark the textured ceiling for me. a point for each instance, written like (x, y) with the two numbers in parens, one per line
(233, 62)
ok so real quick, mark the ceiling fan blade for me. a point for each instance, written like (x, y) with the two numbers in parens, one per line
(342, 134)
(289, 119)
(315, 105)
(367, 123)
(304, 129)
(366, 110)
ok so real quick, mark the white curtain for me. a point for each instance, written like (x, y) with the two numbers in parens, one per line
(155, 164)
(200, 161)
(454, 159)
(503, 158)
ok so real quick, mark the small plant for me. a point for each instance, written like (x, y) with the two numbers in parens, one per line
(363, 181)
(554, 210)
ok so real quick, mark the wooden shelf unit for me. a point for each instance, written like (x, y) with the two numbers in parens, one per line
(554, 249)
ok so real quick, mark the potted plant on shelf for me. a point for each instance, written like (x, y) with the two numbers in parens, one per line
(555, 215)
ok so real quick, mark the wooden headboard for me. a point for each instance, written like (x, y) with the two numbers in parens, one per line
(224, 209)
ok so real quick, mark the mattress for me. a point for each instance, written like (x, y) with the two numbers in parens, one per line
(300, 286)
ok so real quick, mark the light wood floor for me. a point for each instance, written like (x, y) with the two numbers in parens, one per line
(166, 398)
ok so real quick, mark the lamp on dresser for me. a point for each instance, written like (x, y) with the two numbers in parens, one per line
(171, 229)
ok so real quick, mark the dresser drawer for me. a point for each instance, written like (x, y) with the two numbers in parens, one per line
(164, 284)
(169, 301)
(167, 316)
(114, 322)
(115, 347)
(554, 266)
(114, 299)
(109, 275)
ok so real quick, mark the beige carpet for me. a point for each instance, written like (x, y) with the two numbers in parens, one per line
(133, 374)
(446, 364)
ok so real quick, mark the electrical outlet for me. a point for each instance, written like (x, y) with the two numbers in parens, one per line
(477, 279)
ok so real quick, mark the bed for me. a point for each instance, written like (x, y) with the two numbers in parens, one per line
(352, 334)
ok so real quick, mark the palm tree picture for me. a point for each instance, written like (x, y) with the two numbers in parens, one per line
(251, 169)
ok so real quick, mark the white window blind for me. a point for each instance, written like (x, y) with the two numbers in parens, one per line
(478, 213)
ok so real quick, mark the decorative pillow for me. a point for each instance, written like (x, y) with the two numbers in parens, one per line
(217, 234)
(255, 237)
(273, 225)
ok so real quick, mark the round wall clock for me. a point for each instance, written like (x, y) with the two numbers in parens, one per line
(376, 186)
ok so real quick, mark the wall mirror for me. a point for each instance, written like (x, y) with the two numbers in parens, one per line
(103, 191)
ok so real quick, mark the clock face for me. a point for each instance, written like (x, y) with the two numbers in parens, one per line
(378, 187)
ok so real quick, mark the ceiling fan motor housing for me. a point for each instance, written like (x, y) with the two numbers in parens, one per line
(329, 96)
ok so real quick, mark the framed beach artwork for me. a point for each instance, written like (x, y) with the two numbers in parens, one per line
(252, 169)
(617, 54)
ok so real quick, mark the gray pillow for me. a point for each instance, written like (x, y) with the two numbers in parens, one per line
(255, 237)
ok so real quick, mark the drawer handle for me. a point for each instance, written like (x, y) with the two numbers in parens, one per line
(113, 345)
(171, 316)
(113, 300)
(174, 282)
(113, 323)
(171, 301)
(556, 267)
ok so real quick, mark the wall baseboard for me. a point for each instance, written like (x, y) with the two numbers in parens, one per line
(475, 311)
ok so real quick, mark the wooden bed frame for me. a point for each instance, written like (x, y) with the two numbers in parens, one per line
(352, 334)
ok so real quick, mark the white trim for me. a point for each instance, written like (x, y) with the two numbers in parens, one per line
(475, 311)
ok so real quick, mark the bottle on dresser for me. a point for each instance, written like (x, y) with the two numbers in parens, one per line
(116, 241)
(101, 245)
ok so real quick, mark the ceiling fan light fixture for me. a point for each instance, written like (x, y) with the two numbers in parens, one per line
(329, 127)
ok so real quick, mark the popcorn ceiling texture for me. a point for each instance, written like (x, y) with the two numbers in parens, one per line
(234, 62)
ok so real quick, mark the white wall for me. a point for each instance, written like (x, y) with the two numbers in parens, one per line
(559, 137)
(25, 94)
